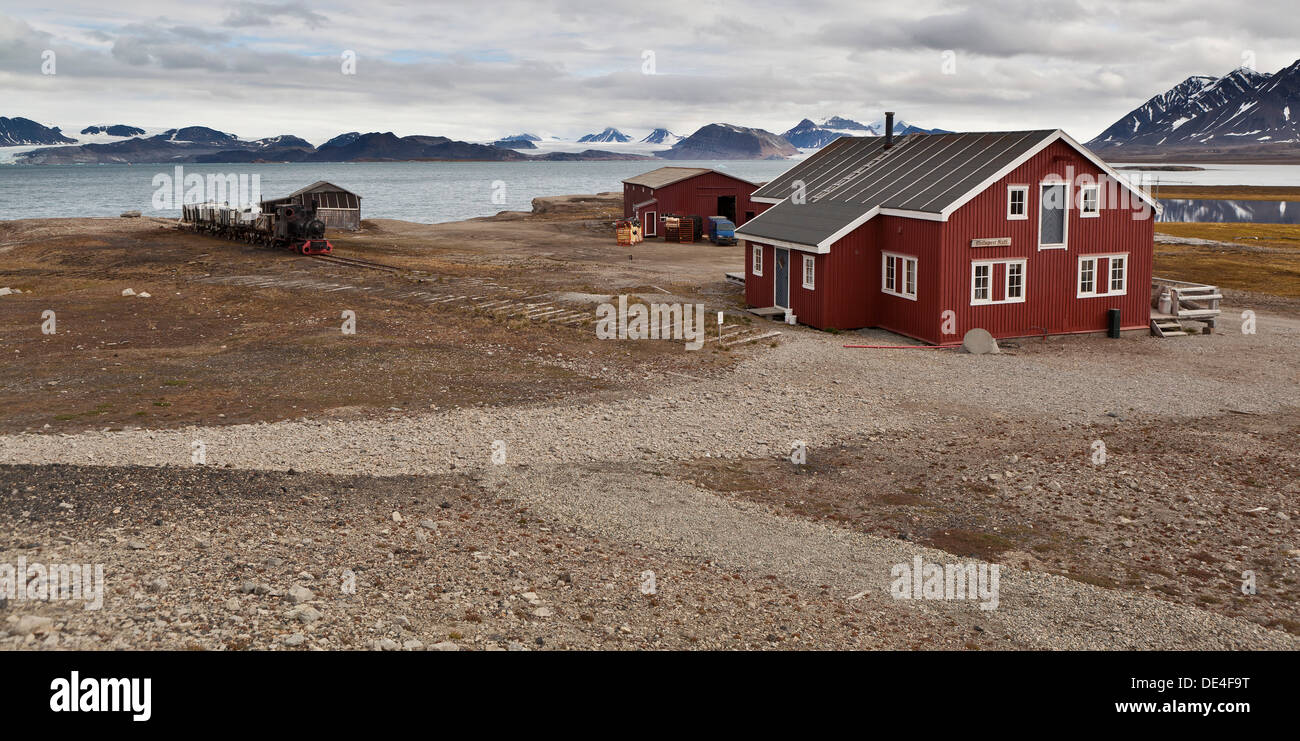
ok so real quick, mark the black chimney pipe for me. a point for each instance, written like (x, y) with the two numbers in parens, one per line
(889, 129)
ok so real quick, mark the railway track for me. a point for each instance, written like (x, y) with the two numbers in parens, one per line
(356, 262)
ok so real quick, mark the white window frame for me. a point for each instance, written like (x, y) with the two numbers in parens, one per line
(975, 300)
(1097, 277)
(1023, 190)
(651, 221)
(1065, 218)
(1078, 277)
(1006, 281)
(1123, 276)
(756, 260)
(809, 272)
(1084, 190)
(900, 275)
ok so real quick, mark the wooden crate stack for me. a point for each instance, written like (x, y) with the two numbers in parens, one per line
(672, 228)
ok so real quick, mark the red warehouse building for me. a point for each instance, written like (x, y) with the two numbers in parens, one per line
(687, 191)
(930, 235)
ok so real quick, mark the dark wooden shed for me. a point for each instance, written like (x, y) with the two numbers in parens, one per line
(338, 207)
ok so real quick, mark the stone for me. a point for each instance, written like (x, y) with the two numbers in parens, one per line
(304, 614)
(298, 594)
(397, 517)
(413, 645)
(232, 604)
(128, 292)
(158, 585)
(131, 215)
(387, 644)
(136, 545)
(542, 612)
(979, 342)
(445, 646)
(29, 624)
(428, 524)
(297, 639)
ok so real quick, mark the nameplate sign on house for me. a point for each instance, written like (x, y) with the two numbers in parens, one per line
(991, 242)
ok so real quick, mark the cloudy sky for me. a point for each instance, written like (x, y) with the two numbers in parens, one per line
(481, 69)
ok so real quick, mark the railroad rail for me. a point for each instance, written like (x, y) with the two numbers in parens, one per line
(356, 262)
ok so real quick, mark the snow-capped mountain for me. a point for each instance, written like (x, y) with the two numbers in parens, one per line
(661, 136)
(1243, 110)
(610, 134)
(521, 137)
(809, 135)
(18, 131)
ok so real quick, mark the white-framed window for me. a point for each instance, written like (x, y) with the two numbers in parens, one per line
(981, 283)
(1014, 282)
(1090, 201)
(898, 275)
(757, 259)
(1053, 215)
(1087, 276)
(1113, 282)
(1119, 274)
(651, 226)
(809, 272)
(1017, 202)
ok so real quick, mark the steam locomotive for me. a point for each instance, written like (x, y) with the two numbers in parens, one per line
(292, 226)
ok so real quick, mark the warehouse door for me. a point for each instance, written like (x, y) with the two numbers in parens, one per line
(727, 208)
(781, 283)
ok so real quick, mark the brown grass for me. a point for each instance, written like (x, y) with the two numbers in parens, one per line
(1268, 262)
(1231, 192)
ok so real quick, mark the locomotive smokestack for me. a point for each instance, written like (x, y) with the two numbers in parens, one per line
(889, 129)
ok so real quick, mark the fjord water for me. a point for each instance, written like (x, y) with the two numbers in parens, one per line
(433, 192)
(427, 192)
(1209, 210)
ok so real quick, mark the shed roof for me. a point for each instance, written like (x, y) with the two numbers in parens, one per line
(669, 175)
(320, 185)
(922, 175)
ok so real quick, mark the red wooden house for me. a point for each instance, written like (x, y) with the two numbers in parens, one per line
(929, 235)
(687, 191)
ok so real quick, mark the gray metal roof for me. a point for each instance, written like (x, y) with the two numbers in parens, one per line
(669, 175)
(853, 175)
(320, 185)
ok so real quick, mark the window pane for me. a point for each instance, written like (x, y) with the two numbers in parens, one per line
(1015, 280)
(982, 280)
(1051, 217)
(909, 277)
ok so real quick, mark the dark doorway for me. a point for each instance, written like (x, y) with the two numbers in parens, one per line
(749, 216)
(727, 208)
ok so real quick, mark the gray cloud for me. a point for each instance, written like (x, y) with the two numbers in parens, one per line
(480, 70)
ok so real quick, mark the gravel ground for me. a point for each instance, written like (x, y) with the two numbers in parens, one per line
(589, 468)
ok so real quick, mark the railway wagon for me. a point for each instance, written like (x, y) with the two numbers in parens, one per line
(289, 226)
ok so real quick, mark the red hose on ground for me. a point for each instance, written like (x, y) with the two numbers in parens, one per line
(904, 347)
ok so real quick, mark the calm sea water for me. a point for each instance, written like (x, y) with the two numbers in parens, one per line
(427, 192)
(432, 192)
(1254, 212)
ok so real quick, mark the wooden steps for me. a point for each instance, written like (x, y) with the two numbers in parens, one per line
(1187, 302)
